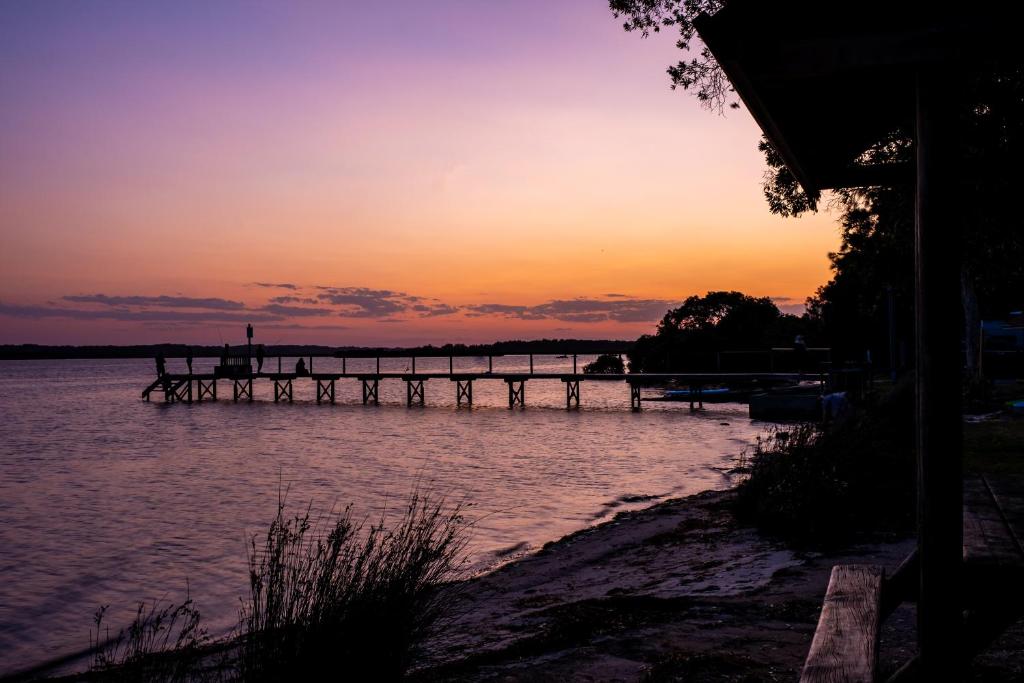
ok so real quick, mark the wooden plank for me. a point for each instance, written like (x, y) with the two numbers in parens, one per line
(988, 541)
(845, 645)
(1008, 494)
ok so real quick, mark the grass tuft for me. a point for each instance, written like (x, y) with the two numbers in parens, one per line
(335, 596)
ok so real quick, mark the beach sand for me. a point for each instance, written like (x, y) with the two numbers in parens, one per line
(678, 591)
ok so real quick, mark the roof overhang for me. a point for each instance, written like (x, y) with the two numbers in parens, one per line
(826, 82)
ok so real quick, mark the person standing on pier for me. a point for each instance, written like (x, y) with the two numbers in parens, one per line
(161, 364)
(188, 359)
(259, 358)
(800, 352)
(300, 367)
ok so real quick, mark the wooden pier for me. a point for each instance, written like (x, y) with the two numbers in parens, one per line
(187, 388)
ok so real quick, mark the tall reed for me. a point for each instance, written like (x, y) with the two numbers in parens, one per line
(335, 598)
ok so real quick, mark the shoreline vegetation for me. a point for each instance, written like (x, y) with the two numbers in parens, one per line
(718, 586)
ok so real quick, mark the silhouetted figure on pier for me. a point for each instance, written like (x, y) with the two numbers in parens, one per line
(259, 358)
(161, 364)
(188, 359)
(300, 367)
(800, 352)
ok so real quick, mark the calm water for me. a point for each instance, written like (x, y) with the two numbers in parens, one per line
(106, 499)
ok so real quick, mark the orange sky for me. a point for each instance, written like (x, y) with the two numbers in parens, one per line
(451, 173)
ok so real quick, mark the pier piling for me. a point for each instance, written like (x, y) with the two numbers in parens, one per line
(414, 392)
(370, 391)
(282, 389)
(464, 391)
(572, 394)
(516, 393)
(324, 390)
(243, 389)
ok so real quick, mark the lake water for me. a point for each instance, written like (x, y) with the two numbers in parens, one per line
(107, 500)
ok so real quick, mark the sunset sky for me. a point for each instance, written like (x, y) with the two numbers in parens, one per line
(367, 173)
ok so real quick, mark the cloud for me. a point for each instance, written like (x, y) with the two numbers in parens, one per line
(38, 312)
(362, 302)
(433, 310)
(296, 311)
(212, 303)
(277, 285)
(581, 310)
(292, 300)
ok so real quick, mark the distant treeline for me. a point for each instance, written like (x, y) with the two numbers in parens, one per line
(540, 346)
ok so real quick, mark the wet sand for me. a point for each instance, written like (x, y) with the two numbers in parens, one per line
(676, 590)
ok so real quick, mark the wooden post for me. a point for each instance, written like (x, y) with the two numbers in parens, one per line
(378, 365)
(311, 365)
(937, 244)
(344, 371)
(531, 363)
(414, 365)
(574, 363)
(490, 363)
(279, 365)
(450, 365)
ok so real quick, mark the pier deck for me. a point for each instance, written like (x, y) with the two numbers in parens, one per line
(201, 387)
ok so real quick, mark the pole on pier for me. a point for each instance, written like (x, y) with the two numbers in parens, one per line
(450, 365)
(343, 371)
(311, 365)
(574, 363)
(279, 365)
(414, 365)
(531, 363)
(490, 363)
(378, 365)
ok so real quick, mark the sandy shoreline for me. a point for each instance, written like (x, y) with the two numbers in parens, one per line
(675, 589)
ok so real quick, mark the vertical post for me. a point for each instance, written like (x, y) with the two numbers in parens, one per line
(574, 363)
(343, 370)
(938, 381)
(378, 365)
(311, 365)
(450, 365)
(279, 365)
(490, 363)
(414, 365)
(531, 363)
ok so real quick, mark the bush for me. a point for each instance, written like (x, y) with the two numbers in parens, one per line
(605, 364)
(812, 485)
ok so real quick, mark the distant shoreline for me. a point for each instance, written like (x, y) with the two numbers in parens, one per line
(500, 348)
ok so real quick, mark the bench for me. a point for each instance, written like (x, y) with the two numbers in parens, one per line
(845, 645)
(845, 642)
(233, 366)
